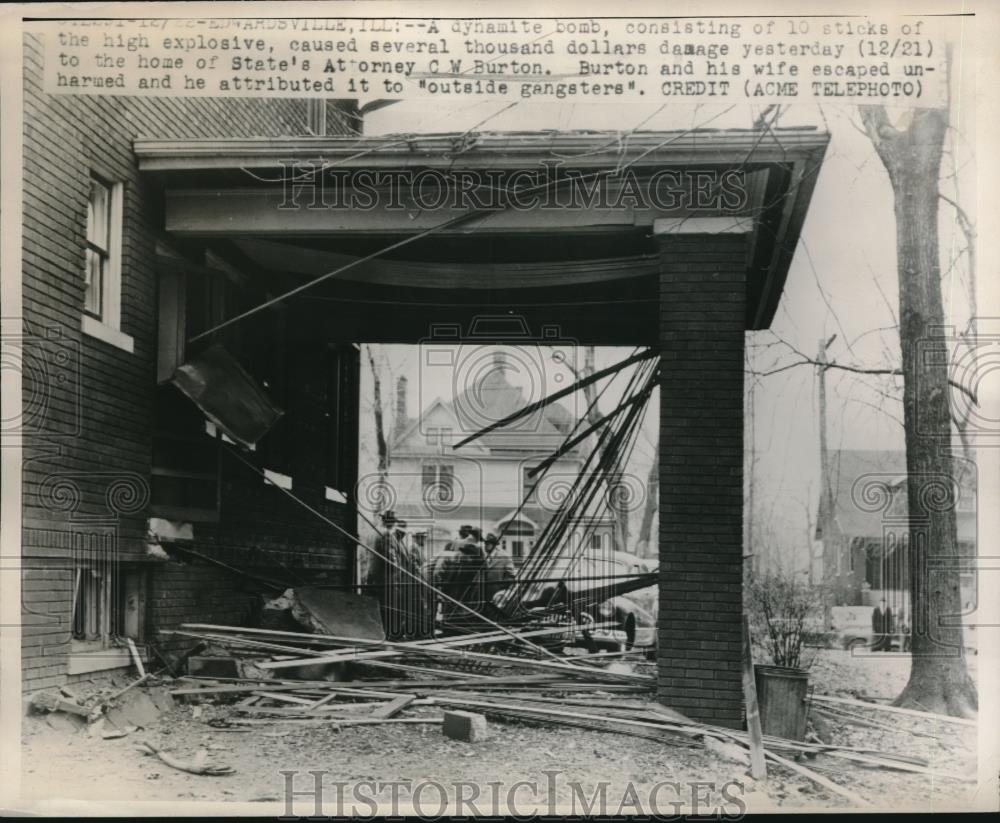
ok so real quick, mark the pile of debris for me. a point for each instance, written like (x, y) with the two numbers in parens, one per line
(462, 684)
(458, 683)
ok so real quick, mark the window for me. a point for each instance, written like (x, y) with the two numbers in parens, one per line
(438, 483)
(90, 608)
(108, 605)
(528, 483)
(102, 268)
(98, 247)
(439, 435)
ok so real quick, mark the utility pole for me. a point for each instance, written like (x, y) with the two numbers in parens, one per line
(826, 476)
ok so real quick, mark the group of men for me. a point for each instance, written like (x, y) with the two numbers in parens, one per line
(468, 574)
(395, 578)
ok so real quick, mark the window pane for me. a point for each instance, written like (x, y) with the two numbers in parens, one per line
(93, 283)
(86, 618)
(447, 483)
(98, 213)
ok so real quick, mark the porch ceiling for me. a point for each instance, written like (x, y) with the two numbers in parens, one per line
(233, 190)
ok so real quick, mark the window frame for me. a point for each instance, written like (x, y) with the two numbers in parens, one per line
(121, 592)
(529, 485)
(439, 472)
(105, 324)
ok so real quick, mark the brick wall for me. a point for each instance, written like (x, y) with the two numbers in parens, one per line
(196, 593)
(97, 404)
(702, 297)
(46, 593)
(89, 404)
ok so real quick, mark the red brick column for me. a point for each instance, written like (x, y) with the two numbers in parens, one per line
(702, 322)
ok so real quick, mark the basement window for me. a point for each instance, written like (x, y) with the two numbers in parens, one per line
(108, 605)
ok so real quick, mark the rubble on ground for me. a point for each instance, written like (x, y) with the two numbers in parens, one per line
(472, 687)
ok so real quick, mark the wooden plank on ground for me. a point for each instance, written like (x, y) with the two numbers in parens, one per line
(758, 766)
(857, 799)
(394, 707)
(323, 701)
(285, 698)
(944, 718)
(548, 665)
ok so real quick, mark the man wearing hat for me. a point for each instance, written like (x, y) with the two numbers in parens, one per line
(393, 579)
(499, 572)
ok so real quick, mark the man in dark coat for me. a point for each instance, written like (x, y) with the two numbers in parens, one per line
(393, 578)
(881, 627)
(499, 572)
(457, 577)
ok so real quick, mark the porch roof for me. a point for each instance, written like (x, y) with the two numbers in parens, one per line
(232, 189)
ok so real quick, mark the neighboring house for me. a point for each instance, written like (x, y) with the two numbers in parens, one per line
(486, 483)
(863, 525)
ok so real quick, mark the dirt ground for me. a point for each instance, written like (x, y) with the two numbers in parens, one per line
(60, 758)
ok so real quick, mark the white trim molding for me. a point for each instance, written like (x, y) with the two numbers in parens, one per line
(703, 225)
(102, 331)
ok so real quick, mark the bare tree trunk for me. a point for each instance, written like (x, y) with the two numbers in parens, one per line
(380, 441)
(649, 508)
(939, 680)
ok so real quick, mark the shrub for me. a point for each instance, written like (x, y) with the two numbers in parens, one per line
(784, 612)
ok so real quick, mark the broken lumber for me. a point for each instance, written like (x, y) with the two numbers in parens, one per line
(134, 652)
(758, 766)
(826, 783)
(131, 685)
(52, 703)
(489, 705)
(286, 698)
(394, 707)
(944, 718)
(555, 665)
(337, 722)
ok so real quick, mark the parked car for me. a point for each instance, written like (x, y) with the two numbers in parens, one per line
(633, 615)
(852, 629)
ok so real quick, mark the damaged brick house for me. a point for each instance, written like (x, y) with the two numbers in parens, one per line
(124, 478)
(183, 213)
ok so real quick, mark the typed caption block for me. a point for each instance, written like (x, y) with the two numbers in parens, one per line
(851, 60)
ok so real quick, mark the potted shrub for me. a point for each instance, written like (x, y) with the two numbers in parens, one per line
(783, 611)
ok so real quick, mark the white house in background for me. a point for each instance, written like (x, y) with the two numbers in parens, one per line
(437, 488)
